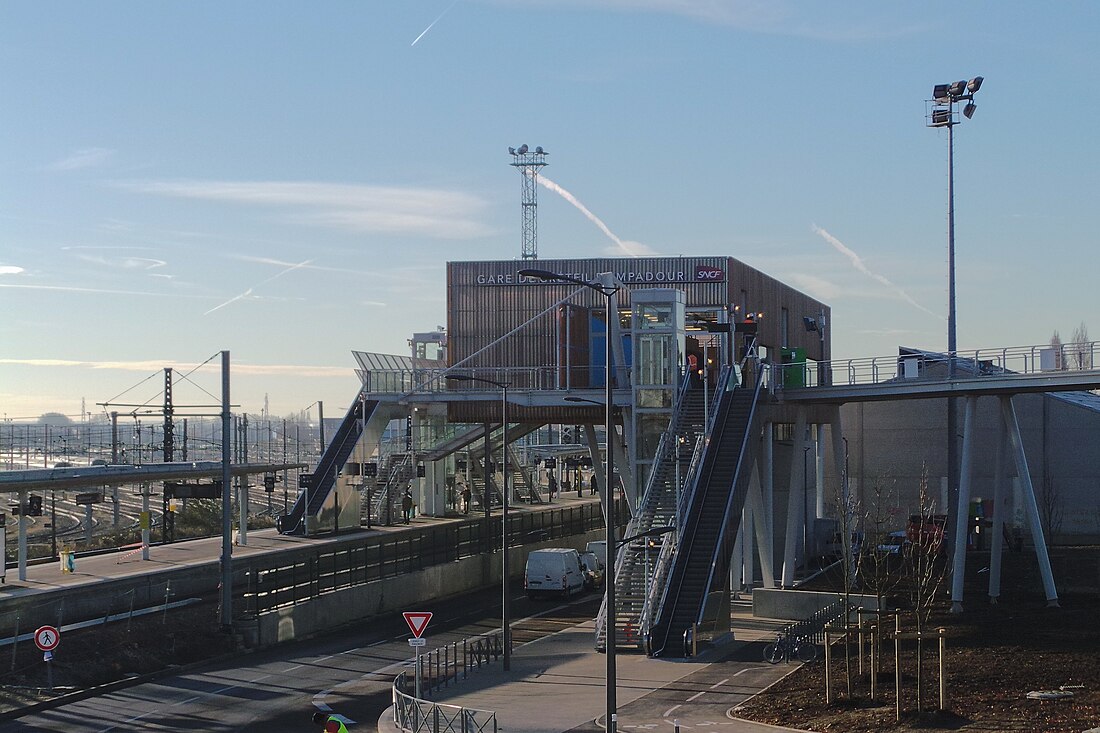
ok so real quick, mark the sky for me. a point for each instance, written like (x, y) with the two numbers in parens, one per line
(286, 180)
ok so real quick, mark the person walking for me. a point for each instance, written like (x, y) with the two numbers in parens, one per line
(592, 486)
(407, 505)
(329, 723)
(465, 499)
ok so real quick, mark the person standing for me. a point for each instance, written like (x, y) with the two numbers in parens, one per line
(465, 499)
(407, 505)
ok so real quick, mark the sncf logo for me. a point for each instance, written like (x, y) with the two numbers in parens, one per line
(707, 273)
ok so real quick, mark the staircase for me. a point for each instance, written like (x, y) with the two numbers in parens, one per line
(635, 562)
(332, 462)
(711, 511)
(394, 475)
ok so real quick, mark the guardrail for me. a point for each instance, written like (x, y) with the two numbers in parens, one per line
(423, 716)
(812, 628)
(278, 583)
(974, 364)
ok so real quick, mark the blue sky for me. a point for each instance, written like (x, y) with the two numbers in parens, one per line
(286, 180)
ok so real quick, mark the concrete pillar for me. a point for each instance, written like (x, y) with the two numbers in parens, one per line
(763, 540)
(958, 570)
(1031, 507)
(795, 500)
(766, 484)
(819, 485)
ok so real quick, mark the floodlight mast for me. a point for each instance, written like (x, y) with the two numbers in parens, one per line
(942, 114)
(528, 163)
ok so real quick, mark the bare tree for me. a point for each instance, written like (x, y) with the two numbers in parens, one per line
(1051, 509)
(1080, 350)
(926, 569)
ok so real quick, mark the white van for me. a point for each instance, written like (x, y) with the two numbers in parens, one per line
(599, 548)
(553, 570)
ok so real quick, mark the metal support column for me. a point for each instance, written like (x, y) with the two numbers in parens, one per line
(959, 558)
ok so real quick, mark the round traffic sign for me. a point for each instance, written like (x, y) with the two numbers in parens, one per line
(47, 638)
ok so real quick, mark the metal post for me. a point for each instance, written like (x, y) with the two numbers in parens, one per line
(507, 635)
(227, 508)
(611, 721)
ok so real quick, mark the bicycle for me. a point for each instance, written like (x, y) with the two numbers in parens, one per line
(795, 647)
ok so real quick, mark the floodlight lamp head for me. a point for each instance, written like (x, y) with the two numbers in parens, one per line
(968, 110)
(512, 151)
(810, 323)
(539, 150)
(941, 118)
(974, 84)
(957, 89)
(522, 149)
(940, 92)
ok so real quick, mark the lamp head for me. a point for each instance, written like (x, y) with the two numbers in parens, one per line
(974, 84)
(810, 323)
(940, 93)
(957, 89)
(968, 110)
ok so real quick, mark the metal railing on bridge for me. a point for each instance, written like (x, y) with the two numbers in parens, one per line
(974, 364)
(277, 583)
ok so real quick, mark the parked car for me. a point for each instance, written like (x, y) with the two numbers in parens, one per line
(593, 570)
(555, 570)
(927, 532)
(599, 547)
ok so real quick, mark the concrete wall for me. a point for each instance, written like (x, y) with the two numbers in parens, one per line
(797, 605)
(419, 590)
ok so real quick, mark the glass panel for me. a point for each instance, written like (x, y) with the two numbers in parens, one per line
(651, 317)
(650, 428)
(654, 398)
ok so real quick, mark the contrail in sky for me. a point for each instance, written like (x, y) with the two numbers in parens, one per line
(248, 292)
(857, 262)
(624, 246)
(425, 31)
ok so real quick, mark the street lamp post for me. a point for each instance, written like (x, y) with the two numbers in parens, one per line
(505, 616)
(611, 719)
(945, 97)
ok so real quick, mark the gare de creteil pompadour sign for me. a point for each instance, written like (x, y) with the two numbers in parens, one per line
(652, 272)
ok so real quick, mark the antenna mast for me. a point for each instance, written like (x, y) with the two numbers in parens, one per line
(528, 163)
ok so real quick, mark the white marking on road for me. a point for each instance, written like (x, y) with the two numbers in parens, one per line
(696, 695)
(719, 684)
(379, 643)
(735, 674)
(677, 723)
(669, 711)
(184, 702)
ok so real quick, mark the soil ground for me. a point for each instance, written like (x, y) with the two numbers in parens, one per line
(995, 655)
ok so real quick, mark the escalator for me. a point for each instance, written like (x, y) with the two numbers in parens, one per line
(332, 462)
(699, 575)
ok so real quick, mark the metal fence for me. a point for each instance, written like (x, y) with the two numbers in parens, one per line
(812, 628)
(276, 583)
(422, 716)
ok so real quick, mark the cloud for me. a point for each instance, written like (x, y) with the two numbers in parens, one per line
(776, 17)
(99, 291)
(355, 208)
(11, 270)
(153, 365)
(248, 292)
(857, 262)
(815, 285)
(125, 263)
(86, 158)
(631, 249)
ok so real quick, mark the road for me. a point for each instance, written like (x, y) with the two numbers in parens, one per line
(348, 672)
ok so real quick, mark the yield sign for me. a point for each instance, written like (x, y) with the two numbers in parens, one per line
(417, 621)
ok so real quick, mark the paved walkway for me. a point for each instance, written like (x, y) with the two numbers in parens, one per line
(557, 684)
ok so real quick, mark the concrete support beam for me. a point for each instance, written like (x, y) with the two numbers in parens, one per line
(958, 567)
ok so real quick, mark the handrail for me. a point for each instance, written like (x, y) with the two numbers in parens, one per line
(745, 442)
(974, 364)
(415, 715)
